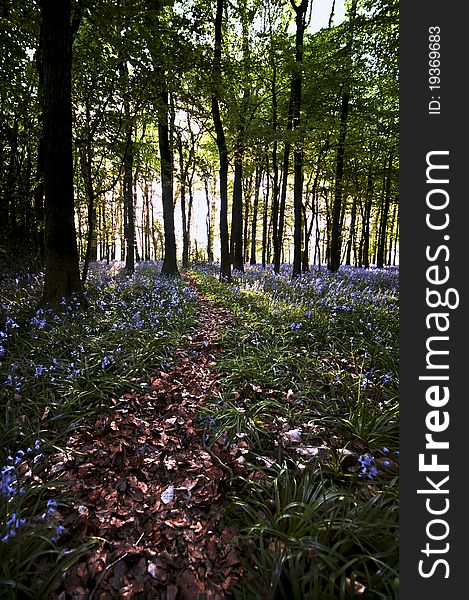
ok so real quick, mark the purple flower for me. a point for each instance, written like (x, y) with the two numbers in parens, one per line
(58, 532)
(368, 467)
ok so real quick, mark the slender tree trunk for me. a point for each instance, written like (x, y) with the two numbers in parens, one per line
(129, 215)
(255, 210)
(185, 237)
(170, 258)
(392, 233)
(209, 221)
(11, 194)
(237, 213)
(394, 258)
(351, 236)
(365, 256)
(39, 198)
(225, 267)
(296, 88)
(265, 216)
(247, 194)
(189, 213)
(384, 218)
(276, 235)
(283, 189)
(87, 175)
(62, 272)
(336, 234)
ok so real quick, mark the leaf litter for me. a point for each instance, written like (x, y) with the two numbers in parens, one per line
(144, 480)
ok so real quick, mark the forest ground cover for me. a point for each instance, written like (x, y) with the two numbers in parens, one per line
(294, 449)
(311, 384)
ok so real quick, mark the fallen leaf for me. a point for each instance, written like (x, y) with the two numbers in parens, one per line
(168, 494)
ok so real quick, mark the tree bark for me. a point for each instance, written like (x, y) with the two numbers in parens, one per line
(129, 213)
(170, 258)
(225, 267)
(296, 89)
(384, 218)
(237, 214)
(265, 216)
(255, 210)
(336, 237)
(62, 272)
(365, 245)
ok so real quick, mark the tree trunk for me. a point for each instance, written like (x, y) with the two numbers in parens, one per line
(265, 216)
(62, 272)
(336, 234)
(225, 267)
(129, 214)
(170, 258)
(182, 179)
(384, 218)
(255, 210)
(296, 90)
(209, 221)
(365, 253)
(351, 236)
(87, 175)
(237, 214)
(393, 234)
(283, 190)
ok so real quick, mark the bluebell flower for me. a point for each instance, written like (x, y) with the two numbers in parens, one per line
(368, 467)
(10, 323)
(40, 369)
(58, 532)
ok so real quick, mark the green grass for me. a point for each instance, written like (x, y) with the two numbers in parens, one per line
(58, 370)
(309, 384)
(319, 356)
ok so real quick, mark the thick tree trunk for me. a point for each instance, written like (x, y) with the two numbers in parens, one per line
(170, 258)
(62, 272)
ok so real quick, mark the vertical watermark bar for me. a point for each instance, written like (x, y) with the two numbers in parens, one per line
(434, 312)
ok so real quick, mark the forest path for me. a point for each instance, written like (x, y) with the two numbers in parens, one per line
(145, 481)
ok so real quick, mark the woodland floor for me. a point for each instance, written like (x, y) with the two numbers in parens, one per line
(143, 478)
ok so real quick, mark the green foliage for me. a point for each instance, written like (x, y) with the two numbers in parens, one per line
(308, 539)
(57, 371)
(316, 359)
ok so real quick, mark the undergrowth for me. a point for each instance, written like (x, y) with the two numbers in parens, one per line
(310, 381)
(58, 369)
